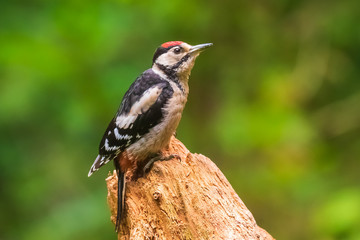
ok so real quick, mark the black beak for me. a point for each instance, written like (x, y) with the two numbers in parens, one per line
(200, 47)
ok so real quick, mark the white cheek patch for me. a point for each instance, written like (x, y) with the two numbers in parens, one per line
(167, 59)
(148, 98)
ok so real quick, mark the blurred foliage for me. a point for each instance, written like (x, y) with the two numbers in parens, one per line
(275, 103)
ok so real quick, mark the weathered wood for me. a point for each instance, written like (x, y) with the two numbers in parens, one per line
(187, 199)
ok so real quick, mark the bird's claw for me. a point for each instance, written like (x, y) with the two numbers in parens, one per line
(150, 163)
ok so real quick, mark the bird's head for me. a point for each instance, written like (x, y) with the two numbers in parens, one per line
(176, 58)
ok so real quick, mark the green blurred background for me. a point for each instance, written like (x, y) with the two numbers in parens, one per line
(275, 103)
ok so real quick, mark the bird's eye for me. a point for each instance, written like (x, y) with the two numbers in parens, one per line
(177, 50)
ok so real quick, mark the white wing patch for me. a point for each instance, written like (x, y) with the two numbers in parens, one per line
(118, 136)
(125, 122)
(148, 98)
(108, 148)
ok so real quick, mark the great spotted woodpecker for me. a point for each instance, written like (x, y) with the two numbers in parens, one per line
(149, 114)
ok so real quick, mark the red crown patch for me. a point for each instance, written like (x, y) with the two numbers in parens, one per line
(170, 44)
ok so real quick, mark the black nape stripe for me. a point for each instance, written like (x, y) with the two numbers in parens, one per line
(171, 73)
(159, 51)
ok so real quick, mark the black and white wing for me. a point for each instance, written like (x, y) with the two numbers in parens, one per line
(140, 110)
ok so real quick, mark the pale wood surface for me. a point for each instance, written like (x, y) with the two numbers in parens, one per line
(187, 199)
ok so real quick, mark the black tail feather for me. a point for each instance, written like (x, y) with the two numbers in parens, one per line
(121, 200)
(121, 194)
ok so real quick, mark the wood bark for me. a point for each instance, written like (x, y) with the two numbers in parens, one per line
(187, 199)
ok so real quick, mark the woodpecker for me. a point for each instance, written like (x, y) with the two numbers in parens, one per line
(149, 114)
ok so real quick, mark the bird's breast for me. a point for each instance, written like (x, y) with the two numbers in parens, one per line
(159, 136)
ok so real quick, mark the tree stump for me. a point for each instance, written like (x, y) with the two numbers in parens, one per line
(187, 199)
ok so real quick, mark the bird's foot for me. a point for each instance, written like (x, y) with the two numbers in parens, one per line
(159, 157)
